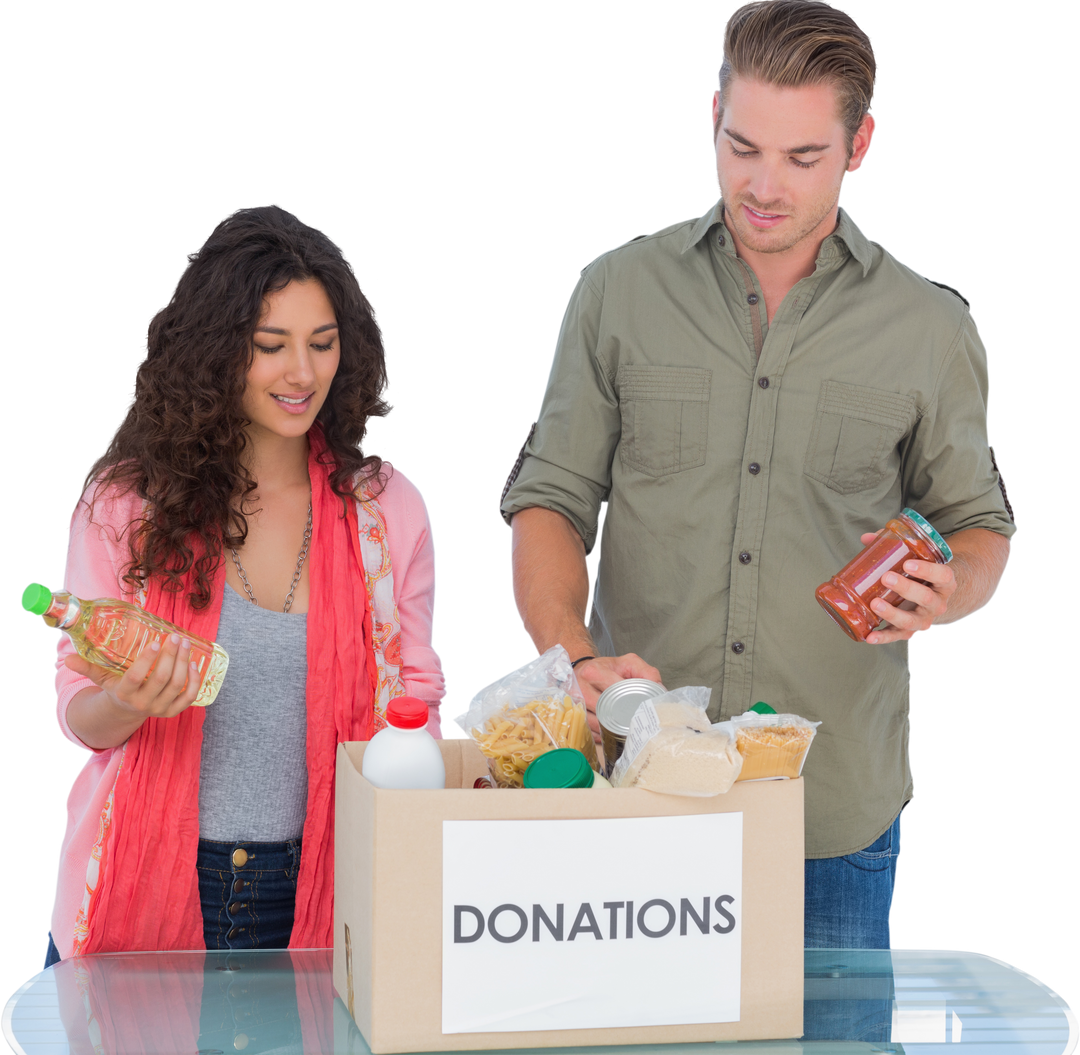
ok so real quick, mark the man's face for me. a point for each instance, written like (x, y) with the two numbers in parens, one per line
(781, 155)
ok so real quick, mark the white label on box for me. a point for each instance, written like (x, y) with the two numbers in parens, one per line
(582, 924)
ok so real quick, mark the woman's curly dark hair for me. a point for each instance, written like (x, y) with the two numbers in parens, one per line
(180, 447)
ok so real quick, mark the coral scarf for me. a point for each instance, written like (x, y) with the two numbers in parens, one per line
(148, 896)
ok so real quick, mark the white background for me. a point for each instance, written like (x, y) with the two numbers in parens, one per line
(589, 983)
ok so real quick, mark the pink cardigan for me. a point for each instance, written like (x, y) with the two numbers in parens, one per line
(97, 556)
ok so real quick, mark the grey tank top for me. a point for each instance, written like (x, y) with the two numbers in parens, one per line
(253, 777)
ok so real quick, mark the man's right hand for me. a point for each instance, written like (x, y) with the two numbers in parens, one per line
(595, 675)
(551, 584)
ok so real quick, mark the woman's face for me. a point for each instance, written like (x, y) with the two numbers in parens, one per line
(296, 356)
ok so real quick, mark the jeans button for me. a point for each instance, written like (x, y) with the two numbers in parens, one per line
(239, 886)
(239, 857)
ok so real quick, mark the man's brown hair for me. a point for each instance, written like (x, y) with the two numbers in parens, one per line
(792, 43)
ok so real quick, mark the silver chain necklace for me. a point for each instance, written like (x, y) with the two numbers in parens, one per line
(296, 575)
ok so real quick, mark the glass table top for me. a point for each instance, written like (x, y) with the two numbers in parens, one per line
(215, 1003)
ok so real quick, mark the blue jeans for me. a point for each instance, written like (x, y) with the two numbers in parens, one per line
(248, 905)
(848, 898)
(52, 954)
(847, 907)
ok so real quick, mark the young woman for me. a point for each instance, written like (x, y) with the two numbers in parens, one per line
(235, 502)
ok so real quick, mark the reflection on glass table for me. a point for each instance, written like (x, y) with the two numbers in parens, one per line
(213, 1003)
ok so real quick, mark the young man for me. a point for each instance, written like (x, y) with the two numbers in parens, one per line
(753, 393)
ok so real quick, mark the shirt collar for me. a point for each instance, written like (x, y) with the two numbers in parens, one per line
(846, 239)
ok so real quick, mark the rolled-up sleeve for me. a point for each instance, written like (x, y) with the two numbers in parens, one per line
(949, 474)
(567, 462)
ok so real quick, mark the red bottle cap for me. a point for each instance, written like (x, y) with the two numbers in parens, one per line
(407, 712)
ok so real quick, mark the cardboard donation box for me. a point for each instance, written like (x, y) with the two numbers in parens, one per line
(469, 918)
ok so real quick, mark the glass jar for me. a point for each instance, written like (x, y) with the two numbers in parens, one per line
(847, 595)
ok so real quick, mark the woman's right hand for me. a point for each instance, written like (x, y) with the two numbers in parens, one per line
(161, 683)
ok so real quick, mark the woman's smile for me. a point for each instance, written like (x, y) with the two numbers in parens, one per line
(295, 355)
(298, 404)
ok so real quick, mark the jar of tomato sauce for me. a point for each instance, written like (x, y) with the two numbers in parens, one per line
(847, 595)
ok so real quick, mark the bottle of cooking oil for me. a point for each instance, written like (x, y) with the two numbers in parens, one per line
(112, 633)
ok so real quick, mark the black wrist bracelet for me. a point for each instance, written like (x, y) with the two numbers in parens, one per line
(582, 660)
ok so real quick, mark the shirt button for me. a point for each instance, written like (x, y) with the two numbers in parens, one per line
(763, 382)
(745, 558)
(752, 299)
(738, 648)
(753, 468)
(720, 240)
(239, 857)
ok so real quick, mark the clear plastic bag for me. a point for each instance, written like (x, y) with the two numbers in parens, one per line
(672, 748)
(529, 712)
(773, 746)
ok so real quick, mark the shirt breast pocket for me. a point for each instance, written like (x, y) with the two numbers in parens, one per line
(855, 435)
(665, 417)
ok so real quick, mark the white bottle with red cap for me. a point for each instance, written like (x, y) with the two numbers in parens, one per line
(404, 754)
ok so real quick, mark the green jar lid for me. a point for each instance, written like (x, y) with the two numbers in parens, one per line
(929, 529)
(763, 708)
(564, 767)
(37, 598)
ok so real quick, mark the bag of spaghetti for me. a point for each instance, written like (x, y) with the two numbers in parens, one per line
(528, 713)
(773, 746)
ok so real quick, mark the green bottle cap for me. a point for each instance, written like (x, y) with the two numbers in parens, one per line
(929, 529)
(37, 598)
(565, 767)
(763, 708)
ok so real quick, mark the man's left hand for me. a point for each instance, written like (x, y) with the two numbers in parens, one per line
(923, 604)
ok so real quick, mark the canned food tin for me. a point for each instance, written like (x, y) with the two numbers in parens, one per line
(616, 708)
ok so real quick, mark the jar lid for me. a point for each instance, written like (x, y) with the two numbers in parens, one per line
(935, 538)
(407, 712)
(563, 767)
(762, 708)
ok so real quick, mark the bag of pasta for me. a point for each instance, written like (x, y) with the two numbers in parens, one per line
(773, 746)
(528, 713)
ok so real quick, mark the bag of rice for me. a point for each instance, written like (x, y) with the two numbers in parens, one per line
(673, 748)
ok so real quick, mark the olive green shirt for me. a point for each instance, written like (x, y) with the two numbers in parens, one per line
(741, 461)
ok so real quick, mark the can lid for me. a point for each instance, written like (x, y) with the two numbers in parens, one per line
(763, 708)
(929, 529)
(37, 598)
(618, 703)
(562, 767)
(407, 712)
